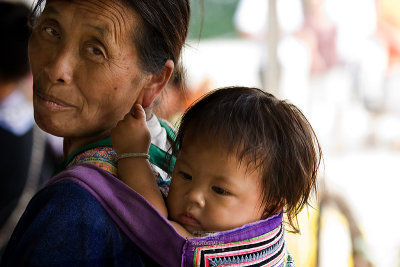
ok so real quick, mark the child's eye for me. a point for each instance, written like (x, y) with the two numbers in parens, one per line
(185, 175)
(219, 190)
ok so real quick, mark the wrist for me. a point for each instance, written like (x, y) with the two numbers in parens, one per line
(121, 156)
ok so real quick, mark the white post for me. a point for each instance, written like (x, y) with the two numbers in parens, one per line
(272, 71)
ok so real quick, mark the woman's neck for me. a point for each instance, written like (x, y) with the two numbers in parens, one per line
(72, 144)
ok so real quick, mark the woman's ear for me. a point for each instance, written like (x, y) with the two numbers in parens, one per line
(155, 84)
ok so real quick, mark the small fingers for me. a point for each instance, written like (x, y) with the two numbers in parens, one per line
(137, 111)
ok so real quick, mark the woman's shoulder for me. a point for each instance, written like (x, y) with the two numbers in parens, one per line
(66, 199)
(67, 217)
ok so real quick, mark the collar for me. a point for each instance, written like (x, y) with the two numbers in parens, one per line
(102, 155)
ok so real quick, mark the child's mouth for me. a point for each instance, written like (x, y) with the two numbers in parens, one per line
(188, 219)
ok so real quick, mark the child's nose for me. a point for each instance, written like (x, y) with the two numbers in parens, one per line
(196, 196)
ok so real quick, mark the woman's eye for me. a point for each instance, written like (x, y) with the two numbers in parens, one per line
(185, 175)
(219, 190)
(50, 31)
(95, 51)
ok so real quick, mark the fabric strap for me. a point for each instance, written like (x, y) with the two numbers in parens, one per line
(256, 244)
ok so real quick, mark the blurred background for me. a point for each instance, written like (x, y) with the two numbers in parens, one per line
(339, 61)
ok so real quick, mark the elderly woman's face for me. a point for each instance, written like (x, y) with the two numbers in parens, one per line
(85, 67)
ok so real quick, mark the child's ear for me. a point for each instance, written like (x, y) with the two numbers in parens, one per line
(155, 84)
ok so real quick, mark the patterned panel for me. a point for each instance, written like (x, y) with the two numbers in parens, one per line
(265, 250)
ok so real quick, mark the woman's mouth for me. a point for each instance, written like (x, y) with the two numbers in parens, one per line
(51, 102)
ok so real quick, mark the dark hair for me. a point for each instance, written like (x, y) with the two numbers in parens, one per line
(15, 33)
(263, 132)
(162, 33)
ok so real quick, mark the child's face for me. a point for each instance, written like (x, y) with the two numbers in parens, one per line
(211, 190)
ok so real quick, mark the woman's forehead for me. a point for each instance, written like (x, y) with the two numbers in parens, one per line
(105, 16)
(105, 6)
(113, 9)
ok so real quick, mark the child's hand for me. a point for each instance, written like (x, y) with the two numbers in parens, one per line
(131, 134)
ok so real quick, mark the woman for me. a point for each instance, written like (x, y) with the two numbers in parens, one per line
(91, 61)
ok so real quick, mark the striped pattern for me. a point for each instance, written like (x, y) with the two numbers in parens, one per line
(265, 250)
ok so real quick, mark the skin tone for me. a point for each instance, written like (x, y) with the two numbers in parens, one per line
(210, 190)
(85, 67)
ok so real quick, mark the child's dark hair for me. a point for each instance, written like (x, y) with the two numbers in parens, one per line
(262, 130)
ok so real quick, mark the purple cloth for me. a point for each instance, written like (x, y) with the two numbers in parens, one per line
(145, 226)
(150, 231)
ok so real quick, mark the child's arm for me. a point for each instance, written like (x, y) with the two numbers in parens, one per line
(131, 135)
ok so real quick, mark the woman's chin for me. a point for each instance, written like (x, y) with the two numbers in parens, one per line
(50, 130)
(48, 126)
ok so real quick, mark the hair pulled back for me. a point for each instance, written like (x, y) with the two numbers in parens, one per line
(162, 33)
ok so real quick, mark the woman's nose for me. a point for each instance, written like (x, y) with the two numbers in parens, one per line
(195, 196)
(60, 67)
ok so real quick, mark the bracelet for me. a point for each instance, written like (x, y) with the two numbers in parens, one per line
(132, 155)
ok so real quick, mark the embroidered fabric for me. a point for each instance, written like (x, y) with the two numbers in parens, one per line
(102, 157)
(264, 250)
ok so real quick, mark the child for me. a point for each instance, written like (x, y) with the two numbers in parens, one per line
(242, 156)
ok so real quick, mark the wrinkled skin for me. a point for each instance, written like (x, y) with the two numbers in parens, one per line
(86, 70)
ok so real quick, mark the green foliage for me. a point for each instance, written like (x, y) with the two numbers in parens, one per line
(217, 19)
